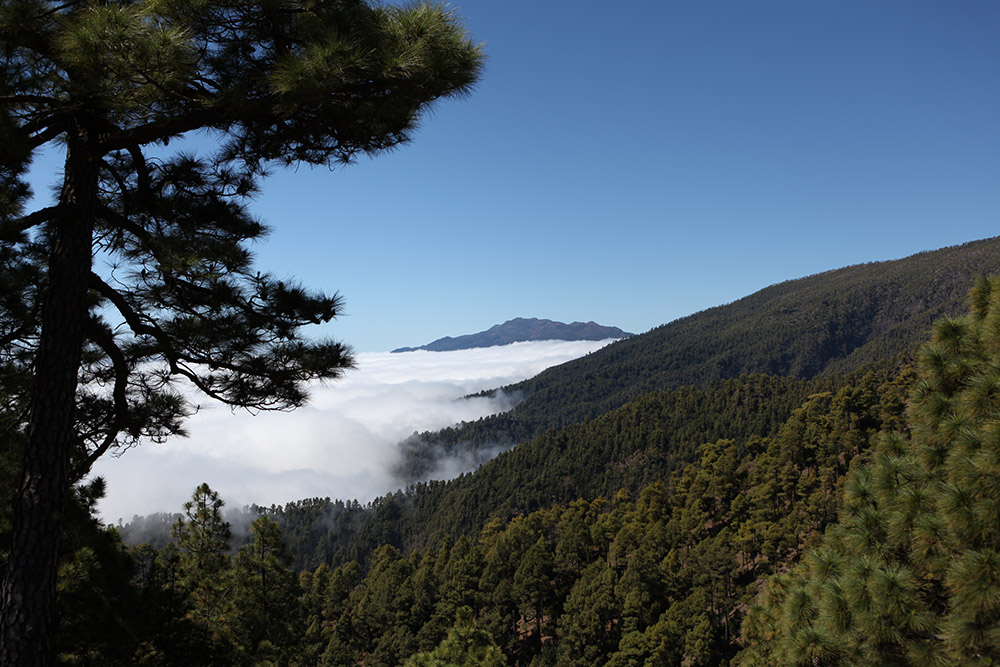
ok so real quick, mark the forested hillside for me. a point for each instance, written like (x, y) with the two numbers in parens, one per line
(910, 573)
(643, 442)
(830, 323)
(641, 536)
(659, 575)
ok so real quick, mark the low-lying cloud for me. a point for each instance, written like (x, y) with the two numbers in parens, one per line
(344, 444)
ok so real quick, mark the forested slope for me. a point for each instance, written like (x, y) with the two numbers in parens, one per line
(643, 442)
(661, 574)
(828, 323)
(641, 536)
(910, 573)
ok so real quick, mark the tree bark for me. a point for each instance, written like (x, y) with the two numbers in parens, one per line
(28, 590)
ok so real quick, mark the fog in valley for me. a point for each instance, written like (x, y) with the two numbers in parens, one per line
(342, 445)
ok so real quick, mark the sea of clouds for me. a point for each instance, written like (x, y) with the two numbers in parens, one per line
(344, 444)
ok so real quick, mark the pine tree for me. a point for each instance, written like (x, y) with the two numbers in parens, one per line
(588, 628)
(533, 581)
(465, 645)
(114, 82)
(202, 537)
(265, 611)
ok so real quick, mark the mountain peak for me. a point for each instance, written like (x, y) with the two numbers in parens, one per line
(522, 329)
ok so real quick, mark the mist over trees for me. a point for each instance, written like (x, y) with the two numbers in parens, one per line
(283, 82)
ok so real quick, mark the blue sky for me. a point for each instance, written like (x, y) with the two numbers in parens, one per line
(633, 163)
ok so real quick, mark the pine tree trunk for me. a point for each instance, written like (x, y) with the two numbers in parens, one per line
(28, 591)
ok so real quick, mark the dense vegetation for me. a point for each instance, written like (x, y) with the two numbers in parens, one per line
(642, 442)
(661, 574)
(910, 574)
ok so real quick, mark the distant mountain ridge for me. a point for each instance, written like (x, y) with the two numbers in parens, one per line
(522, 329)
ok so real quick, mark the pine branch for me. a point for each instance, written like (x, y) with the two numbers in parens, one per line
(121, 418)
(15, 228)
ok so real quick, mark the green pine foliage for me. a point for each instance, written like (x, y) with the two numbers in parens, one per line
(96, 601)
(266, 616)
(464, 645)
(910, 574)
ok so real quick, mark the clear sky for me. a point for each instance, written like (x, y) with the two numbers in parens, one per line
(632, 163)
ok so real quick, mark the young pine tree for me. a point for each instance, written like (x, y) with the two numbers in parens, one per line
(267, 618)
(203, 542)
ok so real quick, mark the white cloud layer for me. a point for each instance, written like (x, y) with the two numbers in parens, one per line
(342, 445)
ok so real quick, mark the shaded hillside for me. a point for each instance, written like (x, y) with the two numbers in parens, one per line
(832, 322)
(522, 329)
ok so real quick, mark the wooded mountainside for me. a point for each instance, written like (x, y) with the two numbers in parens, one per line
(707, 493)
(822, 325)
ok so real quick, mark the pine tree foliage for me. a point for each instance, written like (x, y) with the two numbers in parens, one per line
(464, 645)
(202, 535)
(910, 574)
(265, 613)
(204, 583)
